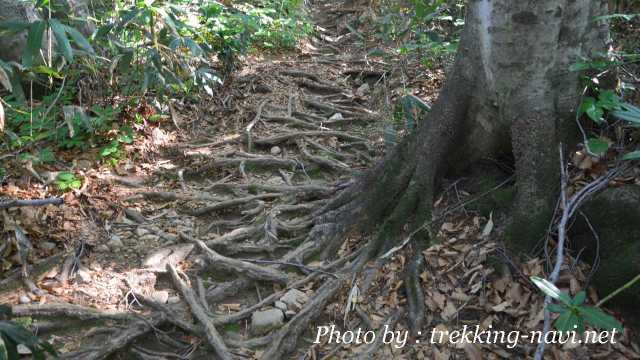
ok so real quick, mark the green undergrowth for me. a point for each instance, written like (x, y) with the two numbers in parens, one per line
(142, 52)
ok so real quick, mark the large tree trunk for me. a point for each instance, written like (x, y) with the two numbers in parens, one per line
(510, 91)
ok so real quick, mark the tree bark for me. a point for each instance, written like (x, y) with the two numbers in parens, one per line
(510, 91)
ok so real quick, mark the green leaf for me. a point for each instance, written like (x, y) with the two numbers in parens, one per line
(634, 155)
(607, 99)
(597, 146)
(80, 40)
(110, 149)
(551, 290)
(557, 308)
(46, 156)
(45, 70)
(579, 298)
(12, 334)
(590, 107)
(628, 113)
(10, 346)
(61, 39)
(625, 17)
(34, 43)
(599, 319)
(567, 321)
(3, 350)
(125, 138)
(65, 176)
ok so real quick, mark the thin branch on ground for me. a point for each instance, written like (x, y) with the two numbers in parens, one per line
(568, 206)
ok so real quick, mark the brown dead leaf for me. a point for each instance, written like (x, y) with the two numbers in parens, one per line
(441, 355)
(535, 318)
(439, 299)
(449, 311)
(501, 307)
(448, 227)
(515, 293)
(473, 351)
(440, 329)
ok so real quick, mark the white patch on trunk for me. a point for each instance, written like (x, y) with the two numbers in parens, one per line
(485, 8)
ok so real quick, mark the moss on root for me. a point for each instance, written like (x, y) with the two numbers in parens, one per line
(614, 215)
(485, 178)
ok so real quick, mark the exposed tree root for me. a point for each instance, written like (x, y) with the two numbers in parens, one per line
(389, 322)
(319, 88)
(232, 203)
(247, 269)
(295, 122)
(278, 139)
(119, 339)
(323, 162)
(69, 310)
(198, 311)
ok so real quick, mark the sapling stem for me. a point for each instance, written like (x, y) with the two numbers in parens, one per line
(618, 290)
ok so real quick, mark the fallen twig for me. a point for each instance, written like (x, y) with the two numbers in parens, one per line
(33, 202)
(569, 206)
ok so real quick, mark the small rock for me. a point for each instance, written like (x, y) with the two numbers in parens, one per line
(363, 90)
(289, 314)
(24, 299)
(158, 136)
(84, 164)
(263, 89)
(275, 180)
(23, 350)
(47, 246)
(336, 116)
(115, 243)
(294, 299)
(160, 296)
(95, 266)
(280, 305)
(135, 215)
(149, 237)
(266, 320)
(83, 275)
(276, 150)
(173, 299)
(158, 259)
(140, 231)
(102, 248)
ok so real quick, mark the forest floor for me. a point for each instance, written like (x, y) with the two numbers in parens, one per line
(242, 174)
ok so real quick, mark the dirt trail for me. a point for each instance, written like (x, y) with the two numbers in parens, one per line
(231, 203)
